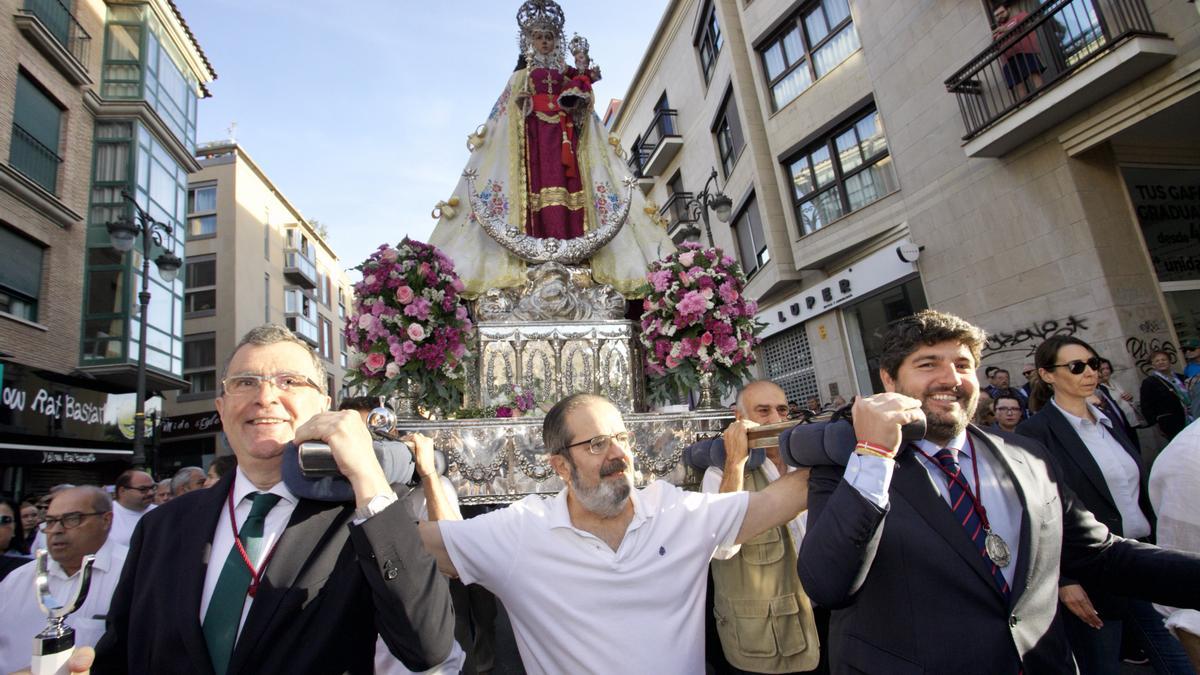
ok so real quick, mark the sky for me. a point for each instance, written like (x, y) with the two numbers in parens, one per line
(359, 111)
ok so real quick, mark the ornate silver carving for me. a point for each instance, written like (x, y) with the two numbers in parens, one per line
(552, 292)
(547, 249)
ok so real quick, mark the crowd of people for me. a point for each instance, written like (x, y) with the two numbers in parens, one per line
(1033, 545)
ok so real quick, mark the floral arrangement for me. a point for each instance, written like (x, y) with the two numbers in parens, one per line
(696, 321)
(409, 326)
(513, 401)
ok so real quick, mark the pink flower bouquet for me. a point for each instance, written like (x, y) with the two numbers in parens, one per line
(696, 320)
(410, 325)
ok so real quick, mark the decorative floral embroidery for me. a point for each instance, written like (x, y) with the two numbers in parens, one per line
(607, 201)
(500, 104)
(492, 195)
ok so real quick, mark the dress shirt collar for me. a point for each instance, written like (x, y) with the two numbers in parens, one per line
(103, 562)
(243, 487)
(1079, 423)
(958, 444)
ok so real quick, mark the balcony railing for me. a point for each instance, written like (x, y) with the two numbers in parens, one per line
(637, 159)
(33, 159)
(1040, 52)
(661, 142)
(676, 210)
(299, 269)
(662, 126)
(57, 19)
(304, 328)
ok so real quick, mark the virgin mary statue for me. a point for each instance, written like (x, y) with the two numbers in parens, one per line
(544, 164)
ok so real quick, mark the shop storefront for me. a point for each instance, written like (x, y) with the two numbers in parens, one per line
(56, 429)
(830, 333)
(189, 440)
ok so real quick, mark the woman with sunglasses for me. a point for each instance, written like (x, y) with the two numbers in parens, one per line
(1105, 471)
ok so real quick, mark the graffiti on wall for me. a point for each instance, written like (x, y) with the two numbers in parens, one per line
(1024, 341)
(1140, 350)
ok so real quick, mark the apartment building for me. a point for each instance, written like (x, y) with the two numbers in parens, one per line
(883, 156)
(252, 258)
(96, 98)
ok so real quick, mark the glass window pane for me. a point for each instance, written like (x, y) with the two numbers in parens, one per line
(774, 60)
(200, 301)
(201, 200)
(791, 86)
(802, 177)
(836, 50)
(202, 226)
(848, 154)
(201, 273)
(866, 186)
(123, 42)
(793, 46)
(105, 291)
(822, 166)
(814, 22)
(870, 133)
(745, 242)
(820, 211)
(836, 11)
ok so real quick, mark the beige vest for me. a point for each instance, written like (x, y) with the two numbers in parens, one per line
(763, 616)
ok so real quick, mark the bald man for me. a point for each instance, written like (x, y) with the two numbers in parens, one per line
(77, 524)
(757, 593)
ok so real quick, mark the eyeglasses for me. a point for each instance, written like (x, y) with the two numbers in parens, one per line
(6, 520)
(598, 444)
(249, 385)
(69, 521)
(1077, 367)
(1008, 408)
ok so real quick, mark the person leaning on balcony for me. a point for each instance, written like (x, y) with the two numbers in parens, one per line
(764, 618)
(1022, 60)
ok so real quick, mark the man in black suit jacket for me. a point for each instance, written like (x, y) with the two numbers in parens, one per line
(912, 589)
(1162, 396)
(332, 577)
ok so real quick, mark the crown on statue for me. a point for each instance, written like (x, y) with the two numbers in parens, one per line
(578, 44)
(540, 15)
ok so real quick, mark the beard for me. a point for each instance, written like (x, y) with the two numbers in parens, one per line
(607, 497)
(941, 427)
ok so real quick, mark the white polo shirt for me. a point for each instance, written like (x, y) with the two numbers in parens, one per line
(576, 605)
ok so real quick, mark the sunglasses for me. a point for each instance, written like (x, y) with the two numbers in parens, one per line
(6, 520)
(1077, 367)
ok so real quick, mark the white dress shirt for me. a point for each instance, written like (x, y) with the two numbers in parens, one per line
(21, 618)
(1175, 496)
(1119, 469)
(124, 520)
(872, 476)
(222, 542)
(712, 484)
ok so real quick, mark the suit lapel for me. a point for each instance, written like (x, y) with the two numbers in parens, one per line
(1078, 453)
(311, 525)
(1009, 469)
(195, 556)
(913, 482)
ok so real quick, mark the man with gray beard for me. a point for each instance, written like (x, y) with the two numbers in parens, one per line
(602, 577)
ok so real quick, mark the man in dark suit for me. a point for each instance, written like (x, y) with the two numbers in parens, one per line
(945, 555)
(245, 577)
(1164, 396)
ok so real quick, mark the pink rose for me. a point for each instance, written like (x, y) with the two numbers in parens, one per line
(404, 295)
(389, 254)
(692, 303)
(393, 369)
(416, 332)
(408, 347)
(365, 321)
(374, 362)
(687, 259)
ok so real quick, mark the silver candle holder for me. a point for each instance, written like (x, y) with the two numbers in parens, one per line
(53, 646)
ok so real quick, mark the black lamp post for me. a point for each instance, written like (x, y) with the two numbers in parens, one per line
(123, 235)
(699, 205)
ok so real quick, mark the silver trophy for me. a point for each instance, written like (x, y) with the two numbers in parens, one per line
(53, 646)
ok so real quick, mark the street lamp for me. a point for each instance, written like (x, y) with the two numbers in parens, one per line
(719, 202)
(123, 235)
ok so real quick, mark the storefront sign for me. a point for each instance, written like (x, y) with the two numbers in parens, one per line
(875, 271)
(40, 403)
(188, 425)
(1167, 204)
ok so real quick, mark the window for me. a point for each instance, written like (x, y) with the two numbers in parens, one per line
(341, 303)
(323, 287)
(710, 43)
(36, 122)
(325, 346)
(266, 298)
(345, 362)
(728, 132)
(202, 212)
(841, 173)
(820, 37)
(20, 274)
(751, 243)
(788, 361)
(200, 285)
(200, 363)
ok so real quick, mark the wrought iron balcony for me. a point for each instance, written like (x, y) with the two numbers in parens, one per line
(41, 18)
(38, 162)
(661, 142)
(680, 215)
(1042, 54)
(299, 269)
(304, 328)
